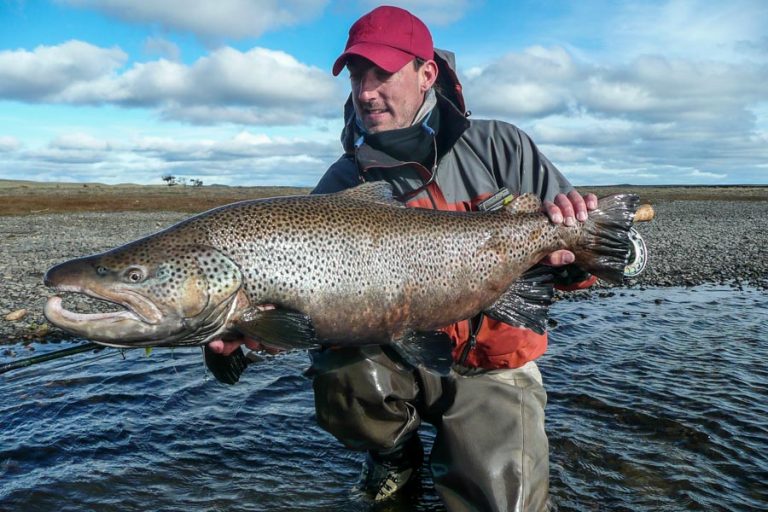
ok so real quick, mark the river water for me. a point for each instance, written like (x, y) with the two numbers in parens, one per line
(658, 401)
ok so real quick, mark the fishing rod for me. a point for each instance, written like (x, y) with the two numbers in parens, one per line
(252, 356)
(58, 354)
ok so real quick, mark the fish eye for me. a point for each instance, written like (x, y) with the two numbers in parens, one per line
(134, 275)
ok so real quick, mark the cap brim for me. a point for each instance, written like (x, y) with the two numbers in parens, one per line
(387, 58)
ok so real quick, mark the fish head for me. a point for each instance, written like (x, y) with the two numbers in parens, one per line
(172, 295)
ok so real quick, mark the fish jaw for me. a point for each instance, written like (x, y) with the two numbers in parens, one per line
(140, 323)
(140, 307)
(115, 329)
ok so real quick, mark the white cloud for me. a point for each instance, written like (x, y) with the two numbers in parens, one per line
(47, 70)
(242, 158)
(698, 119)
(531, 83)
(8, 144)
(688, 28)
(540, 81)
(583, 130)
(256, 86)
(706, 175)
(207, 19)
(204, 115)
(162, 47)
(79, 141)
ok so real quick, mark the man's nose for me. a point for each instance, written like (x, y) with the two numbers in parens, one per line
(368, 88)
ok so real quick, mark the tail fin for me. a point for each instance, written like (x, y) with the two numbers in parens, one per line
(604, 246)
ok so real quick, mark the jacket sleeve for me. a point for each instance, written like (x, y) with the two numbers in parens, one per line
(527, 166)
(340, 176)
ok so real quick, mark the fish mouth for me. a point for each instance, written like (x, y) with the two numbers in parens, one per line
(55, 306)
(124, 328)
(134, 304)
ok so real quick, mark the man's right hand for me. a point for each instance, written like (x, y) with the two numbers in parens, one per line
(225, 348)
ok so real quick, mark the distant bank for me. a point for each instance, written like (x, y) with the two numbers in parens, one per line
(30, 197)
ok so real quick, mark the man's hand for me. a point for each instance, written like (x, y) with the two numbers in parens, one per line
(567, 209)
(227, 347)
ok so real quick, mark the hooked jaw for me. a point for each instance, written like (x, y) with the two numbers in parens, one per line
(114, 328)
(127, 329)
(139, 320)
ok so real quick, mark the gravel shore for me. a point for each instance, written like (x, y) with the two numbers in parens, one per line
(689, 242)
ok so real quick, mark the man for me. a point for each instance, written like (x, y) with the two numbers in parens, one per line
(406, 124)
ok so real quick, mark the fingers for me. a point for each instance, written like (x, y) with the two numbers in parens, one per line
(591, 200)
(561, 211)
(559, 258)
(553, 212)
(222, 347)
(225, 348)
(216, 346)
(567, 209)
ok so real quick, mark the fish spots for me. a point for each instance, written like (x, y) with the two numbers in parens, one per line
(526, 203)
(535, 234)
(345, 258)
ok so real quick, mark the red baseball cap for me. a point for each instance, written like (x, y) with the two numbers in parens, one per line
(389, 37)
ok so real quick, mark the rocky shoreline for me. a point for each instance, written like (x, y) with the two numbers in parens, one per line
(690, 242)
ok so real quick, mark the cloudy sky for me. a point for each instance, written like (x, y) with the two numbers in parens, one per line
(240, 92)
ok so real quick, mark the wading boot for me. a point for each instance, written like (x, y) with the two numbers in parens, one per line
(386, 473)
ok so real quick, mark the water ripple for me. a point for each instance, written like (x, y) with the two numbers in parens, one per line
(658, 401)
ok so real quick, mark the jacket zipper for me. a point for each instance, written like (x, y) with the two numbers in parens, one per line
(474, 324)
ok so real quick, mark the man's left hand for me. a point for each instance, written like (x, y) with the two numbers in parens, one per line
(568, 210)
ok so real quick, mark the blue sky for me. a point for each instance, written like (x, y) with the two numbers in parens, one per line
(239, 92)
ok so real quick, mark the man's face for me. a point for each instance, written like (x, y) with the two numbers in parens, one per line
(387, 101)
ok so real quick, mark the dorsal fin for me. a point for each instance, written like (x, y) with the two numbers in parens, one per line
(374, 191)
(526, 203)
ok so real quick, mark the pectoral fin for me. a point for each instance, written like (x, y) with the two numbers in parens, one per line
(282, 329)
(226, 369)
(526, 302)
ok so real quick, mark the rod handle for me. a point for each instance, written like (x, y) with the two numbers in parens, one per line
(644, 213)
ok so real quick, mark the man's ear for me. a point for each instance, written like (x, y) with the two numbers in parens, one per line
(427, 75)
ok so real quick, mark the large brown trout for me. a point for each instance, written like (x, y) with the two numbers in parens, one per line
(355, 267)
